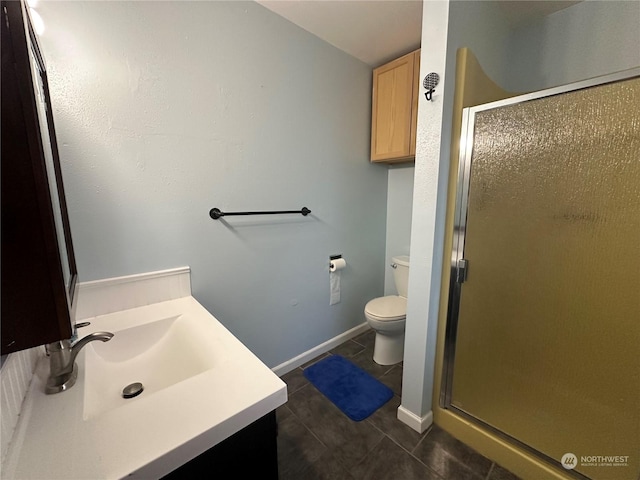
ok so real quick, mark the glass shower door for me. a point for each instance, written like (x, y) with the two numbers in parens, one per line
(544, 319)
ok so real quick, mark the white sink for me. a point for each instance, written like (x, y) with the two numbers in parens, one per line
(158, 354)
(201, 385)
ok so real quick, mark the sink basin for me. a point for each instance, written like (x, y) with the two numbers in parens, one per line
(158, 354)
(201, 386)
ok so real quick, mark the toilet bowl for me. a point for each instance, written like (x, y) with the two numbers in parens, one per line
(387, 315)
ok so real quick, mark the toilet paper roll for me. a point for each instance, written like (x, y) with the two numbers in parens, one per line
(334, 288)
(337, 264)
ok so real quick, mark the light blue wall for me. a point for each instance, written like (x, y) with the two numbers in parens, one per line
(589, 39)
(399, 207)
(166, 109)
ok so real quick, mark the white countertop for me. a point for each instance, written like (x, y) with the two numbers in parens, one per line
(148, 436)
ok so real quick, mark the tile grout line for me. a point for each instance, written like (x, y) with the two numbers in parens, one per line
(310, 431)
(424, 435)
(305, 426)
(328, 449)
(367, 454)
(410, 452)
(465, 466)
(493, 465)
(451, 456)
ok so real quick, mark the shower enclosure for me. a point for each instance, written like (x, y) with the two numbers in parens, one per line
(542, 342)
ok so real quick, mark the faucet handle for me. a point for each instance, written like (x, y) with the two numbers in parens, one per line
(102, 336)
(62, 360)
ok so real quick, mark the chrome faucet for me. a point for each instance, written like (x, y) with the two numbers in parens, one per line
(62, 360)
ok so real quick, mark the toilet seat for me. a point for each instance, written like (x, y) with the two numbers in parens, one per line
(389, 308)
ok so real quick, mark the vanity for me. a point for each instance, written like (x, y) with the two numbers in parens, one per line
(208, 404)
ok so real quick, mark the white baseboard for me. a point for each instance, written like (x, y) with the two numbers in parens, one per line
(419, 424)
(303, 358)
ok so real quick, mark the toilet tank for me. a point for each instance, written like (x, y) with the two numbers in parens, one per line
(401, 274)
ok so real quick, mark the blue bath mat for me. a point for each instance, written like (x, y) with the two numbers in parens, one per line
(350, 388)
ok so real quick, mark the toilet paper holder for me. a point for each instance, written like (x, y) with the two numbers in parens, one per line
(331, 259)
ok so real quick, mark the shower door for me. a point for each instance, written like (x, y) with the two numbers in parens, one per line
(543, 332)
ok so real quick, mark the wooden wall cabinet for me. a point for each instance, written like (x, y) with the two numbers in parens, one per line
(39, 276)
(394, 113)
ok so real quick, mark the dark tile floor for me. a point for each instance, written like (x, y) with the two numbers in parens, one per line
(317, 441)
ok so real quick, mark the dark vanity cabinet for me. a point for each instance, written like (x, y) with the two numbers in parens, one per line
(39, 276)
(250, 453)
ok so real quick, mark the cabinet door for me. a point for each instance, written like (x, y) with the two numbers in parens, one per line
(39, 275)
(414, 102)
(391, 109)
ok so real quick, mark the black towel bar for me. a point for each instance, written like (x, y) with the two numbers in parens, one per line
(216, 213)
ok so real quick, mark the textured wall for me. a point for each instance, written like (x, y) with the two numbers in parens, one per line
(167, 109)
(589, 39)
(399, 208)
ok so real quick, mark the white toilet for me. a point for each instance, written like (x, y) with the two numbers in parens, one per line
(387, 316)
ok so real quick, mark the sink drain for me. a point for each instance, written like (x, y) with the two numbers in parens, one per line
(132, 390)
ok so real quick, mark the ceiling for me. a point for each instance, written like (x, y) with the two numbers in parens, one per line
(376, 31)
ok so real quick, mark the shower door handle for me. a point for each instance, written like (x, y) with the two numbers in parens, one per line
(461, 270)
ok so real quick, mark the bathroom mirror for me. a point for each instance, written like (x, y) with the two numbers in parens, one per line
(39, 275)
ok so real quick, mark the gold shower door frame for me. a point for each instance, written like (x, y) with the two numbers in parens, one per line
(521, 381)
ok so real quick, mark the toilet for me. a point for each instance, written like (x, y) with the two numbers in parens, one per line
(387, 316)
